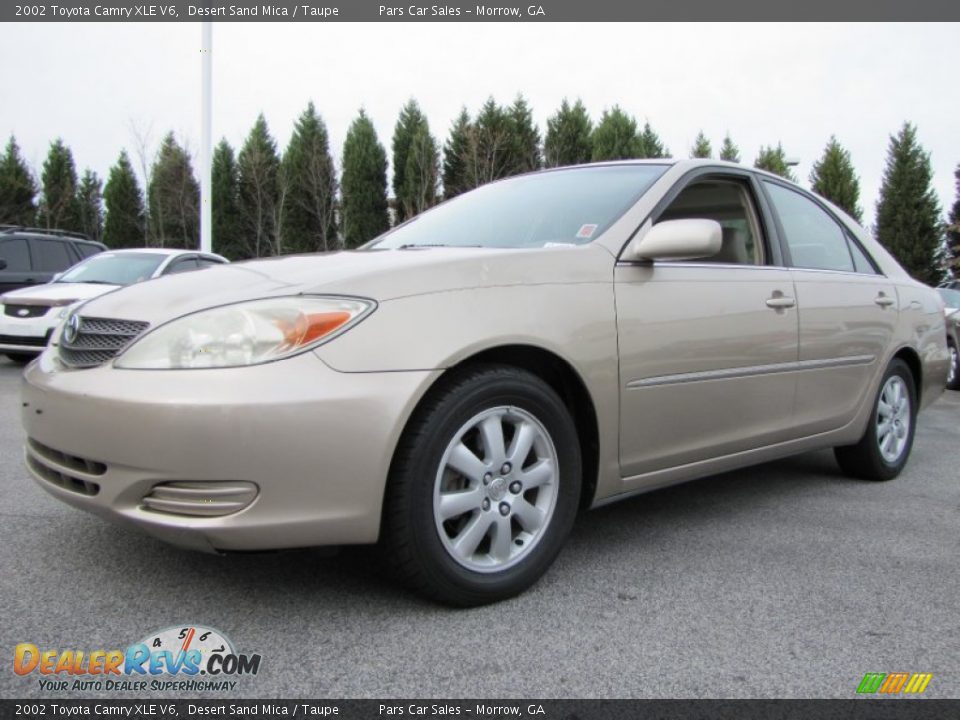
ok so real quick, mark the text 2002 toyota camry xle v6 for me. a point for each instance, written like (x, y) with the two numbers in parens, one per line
(458, 388)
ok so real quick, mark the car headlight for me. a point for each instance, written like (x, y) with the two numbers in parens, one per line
(247, 333)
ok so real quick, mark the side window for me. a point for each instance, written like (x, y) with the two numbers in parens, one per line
(815, 239)
(51, 255)
(16, 254)
(860, 260)
(208, 262)
(86, 250)
(728, 203)
(183, 265)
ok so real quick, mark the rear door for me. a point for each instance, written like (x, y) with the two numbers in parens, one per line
(50, 257)
(847, 310)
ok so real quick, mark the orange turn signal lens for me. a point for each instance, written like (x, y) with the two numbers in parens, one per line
(308, 328)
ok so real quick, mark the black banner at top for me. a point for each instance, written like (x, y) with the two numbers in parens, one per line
(478, 11)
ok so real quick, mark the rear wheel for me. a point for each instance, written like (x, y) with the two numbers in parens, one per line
(20, 358)
(886, 444)
(484, 487)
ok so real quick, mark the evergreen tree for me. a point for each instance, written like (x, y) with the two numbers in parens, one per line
(174, 198)
(124, 222)
(259, 190)
(527, 156)
(729, 151)
(492, 145)
(568, 136)
(953, 230)
(58, 204)
(415, 163)
(774, 159)
(90, 202)
(455, 157)
(615, 136)
(309, 220)
(419, 191)
(908, 212)
(17, 188)
(364, 184)
(701, 147)
(833, 177)
(225, 203)
(650, 144)
(410, 121)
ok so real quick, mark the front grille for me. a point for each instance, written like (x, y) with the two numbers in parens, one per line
(26, 311)
(62, 480)
(98, 340)
(26, 341)
(200, 499)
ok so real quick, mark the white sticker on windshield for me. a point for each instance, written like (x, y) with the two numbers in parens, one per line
(586, 231)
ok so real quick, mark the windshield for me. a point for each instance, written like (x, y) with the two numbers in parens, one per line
(950, 297)
(114, 268)
(569, 207)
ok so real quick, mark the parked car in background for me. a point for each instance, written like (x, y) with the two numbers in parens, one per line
(459, 387)
(32, 256)
(951, 301)
(28, 316)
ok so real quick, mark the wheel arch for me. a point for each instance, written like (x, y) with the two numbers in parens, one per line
(912, 359)
(563, 378)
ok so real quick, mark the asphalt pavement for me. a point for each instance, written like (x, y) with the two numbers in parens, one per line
(783, 580)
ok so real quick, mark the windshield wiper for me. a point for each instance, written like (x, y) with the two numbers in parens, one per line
(414, 246)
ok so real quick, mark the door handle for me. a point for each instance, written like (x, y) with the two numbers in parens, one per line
(780, 302)
(883, 301)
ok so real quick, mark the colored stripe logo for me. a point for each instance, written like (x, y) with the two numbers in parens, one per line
(894, 683)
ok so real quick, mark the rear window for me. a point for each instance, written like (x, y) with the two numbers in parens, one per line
(568, 207)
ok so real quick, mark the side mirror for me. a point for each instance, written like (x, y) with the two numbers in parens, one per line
(3, 264)
(677, 240)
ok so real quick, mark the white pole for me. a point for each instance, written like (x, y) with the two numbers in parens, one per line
(206, 132)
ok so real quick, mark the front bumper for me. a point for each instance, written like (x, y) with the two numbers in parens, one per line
(26, 335)
(316, 443)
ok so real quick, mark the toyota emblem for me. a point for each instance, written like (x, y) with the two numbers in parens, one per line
(72, 328)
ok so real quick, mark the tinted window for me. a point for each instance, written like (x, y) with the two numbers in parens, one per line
(114, 268)
(51, 255)
(86, 250)
(16, 254)
(815, 239)
(569, 207)
(208, 261)
(179, 266)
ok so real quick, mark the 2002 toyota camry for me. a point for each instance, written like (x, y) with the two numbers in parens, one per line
(459, 387)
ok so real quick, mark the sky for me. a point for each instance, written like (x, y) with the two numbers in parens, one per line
(101, 86)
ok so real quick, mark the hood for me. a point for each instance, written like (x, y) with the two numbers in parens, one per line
(55, 293)
(381, 275)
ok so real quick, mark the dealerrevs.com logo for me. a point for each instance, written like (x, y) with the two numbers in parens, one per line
(180, 659)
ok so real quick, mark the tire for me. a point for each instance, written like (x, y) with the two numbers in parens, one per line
(878, 456)
(495, 538)
(953, 378)
(20, 358)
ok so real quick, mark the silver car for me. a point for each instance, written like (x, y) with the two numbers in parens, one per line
(461, 386)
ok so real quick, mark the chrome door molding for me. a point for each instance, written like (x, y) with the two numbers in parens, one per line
(751, 370)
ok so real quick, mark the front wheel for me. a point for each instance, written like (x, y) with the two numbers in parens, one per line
(885, 446)
(484, 487)
(953, 374)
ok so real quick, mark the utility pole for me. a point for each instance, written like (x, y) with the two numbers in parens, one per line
(206, 131)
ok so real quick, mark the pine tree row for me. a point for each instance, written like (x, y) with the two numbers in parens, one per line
(265, 203)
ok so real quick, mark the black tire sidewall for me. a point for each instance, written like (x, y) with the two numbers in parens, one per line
(496, 388)
(886, 469)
